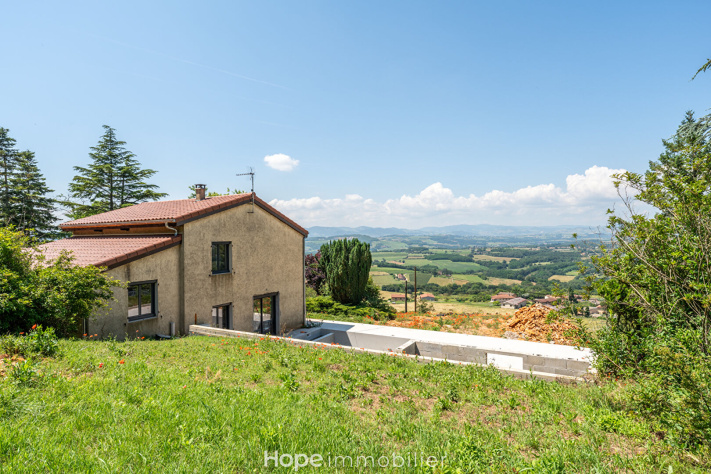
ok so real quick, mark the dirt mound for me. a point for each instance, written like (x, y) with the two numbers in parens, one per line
(532, 323)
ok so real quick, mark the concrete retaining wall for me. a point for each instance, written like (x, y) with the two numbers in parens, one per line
(569, 366)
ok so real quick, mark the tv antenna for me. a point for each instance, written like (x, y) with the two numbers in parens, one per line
(251, 175)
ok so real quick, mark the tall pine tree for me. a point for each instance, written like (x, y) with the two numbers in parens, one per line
(24, 200)
(8, 160)
(32, 209)
(113, 180)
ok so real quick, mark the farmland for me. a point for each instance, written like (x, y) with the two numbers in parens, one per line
(534, 271)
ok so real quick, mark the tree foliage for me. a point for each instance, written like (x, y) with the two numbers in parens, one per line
(114, 179)
(654, 275)
(8, 160)
(32, 208)
(55, 294)
(24, 194)
(346, 263)
(314, 274)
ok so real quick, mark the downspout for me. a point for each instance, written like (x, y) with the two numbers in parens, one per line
(171, 228)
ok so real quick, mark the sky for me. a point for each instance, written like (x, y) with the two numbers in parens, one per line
(396, 113)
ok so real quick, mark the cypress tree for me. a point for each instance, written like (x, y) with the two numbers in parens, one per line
(346, 263)
(32, 209)
(8, 160)
(114, 179)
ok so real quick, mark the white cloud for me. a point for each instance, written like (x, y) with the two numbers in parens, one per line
(584, 200)
(281, 162)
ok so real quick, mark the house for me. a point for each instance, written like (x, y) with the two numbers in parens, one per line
(427, 297)
(231, 261)
(598, 311)
(548, 300)
(397, 297)
(501, 297)
(514, 303)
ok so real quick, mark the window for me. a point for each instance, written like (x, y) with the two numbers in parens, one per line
(220, 257)
(221, 316)
(141, 300)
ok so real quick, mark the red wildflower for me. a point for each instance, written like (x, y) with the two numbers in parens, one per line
(101, 365)
(34, 327)
(122, 361)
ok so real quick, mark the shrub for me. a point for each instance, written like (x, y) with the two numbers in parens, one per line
(654, 277)
(346, 263)
(325, 306)
(55, 293)
(40, 341)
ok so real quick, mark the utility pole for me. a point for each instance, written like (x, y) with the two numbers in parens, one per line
(406, 294)
(415, 289)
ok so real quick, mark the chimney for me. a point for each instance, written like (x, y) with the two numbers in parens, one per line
(199, 192)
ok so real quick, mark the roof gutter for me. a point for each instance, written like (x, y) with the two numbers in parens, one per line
(114, 224)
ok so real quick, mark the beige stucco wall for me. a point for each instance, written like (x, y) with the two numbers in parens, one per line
(267, 257)
(163, 266)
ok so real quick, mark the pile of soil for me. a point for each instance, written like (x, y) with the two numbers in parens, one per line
(532, 323)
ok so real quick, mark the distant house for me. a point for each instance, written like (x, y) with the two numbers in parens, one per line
(427, 297)
(231, 262)
(401, 277)
(548, 300)
(501, 297)
(598, 311)
(515, 303)
(397, 297)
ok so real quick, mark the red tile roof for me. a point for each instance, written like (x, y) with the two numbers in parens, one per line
(108, 251)
(159, 211)
(176, 212)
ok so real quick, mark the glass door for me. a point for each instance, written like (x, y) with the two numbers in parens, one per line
(221, 316)
(264, 312)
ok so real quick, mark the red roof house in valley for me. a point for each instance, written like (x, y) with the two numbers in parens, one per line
(397, 297)
(232, 262)
(427, 297)
(500, 297)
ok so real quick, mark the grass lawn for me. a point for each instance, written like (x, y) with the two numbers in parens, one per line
(202, 404)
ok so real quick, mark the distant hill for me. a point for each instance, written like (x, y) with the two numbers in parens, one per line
(479, 230)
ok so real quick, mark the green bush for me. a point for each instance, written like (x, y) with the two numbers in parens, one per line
(40, 341)
(325, 306)
(55, 293)
(654, 277)
(346, 263)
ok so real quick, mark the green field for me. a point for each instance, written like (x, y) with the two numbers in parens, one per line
(203, 404)
(455, 267)
(422, 278)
